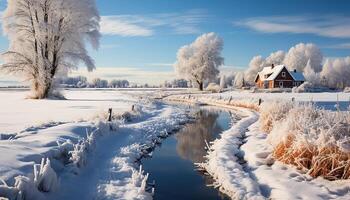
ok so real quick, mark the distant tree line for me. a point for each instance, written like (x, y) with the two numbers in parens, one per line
(82, 82)
(176, 83)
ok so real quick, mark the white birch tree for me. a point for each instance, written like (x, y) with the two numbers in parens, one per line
(200, 61)
(48, 37)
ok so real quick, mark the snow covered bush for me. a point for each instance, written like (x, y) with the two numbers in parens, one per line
(305, 87)
(214, 88)
(273, 112)
(316, 141)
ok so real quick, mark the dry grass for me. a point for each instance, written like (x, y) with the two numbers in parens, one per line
(245, 105)
(316, 141)
(328, 162)
(273, 112)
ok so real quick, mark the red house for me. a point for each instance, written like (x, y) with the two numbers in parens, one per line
(278, 77)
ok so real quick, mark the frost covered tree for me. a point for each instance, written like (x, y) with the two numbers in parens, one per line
(299, 55)
(239, 80)
(310, 75)
(258, 63)
(222, 82)
(99, 83)
(275, 58)
(48, 37)
(336, 72)
(255, 65)
(199, 61)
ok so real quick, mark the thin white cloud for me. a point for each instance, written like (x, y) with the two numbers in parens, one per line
(109, 46)
(114, 25)
(339, 46)
(147, 25)
(326, 26)
(160, 64)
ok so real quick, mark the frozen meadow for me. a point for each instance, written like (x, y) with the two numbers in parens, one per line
(48, 147)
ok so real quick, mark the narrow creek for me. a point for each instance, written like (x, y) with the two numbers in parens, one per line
(172, 164)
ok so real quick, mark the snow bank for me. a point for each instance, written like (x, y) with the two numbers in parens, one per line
(216, 100)
(127, 179)
(223, 163)
(67, 145)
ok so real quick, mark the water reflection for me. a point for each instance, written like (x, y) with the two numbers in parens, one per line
(172, 164)
(191, 139)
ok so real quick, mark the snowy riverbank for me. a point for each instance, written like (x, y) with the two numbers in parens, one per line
(241, 160)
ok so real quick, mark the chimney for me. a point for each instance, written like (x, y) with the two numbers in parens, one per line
(272, 66)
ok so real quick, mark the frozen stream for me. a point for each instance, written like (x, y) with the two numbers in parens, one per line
(172, 165)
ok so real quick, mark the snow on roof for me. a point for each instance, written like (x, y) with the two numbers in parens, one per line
(272, 73)
(298, 76)
(276, 70)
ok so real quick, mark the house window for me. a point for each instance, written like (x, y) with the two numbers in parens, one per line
(283, 74)
(280, 84)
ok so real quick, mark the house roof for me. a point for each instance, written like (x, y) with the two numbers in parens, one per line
(298, 76)
(272, 73)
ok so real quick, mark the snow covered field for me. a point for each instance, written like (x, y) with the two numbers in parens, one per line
(100, 157)
(18, 113)
(77, 149)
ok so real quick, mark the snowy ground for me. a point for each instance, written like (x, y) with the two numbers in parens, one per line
(18, 113)
(85, 151)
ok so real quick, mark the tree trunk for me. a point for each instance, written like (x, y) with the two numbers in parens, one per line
(41, 90)
(200, 86)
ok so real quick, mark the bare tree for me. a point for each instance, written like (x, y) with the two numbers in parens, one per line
(199, 61)
(48, 37)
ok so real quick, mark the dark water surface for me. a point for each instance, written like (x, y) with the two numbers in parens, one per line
(343, 105)
(172, 165)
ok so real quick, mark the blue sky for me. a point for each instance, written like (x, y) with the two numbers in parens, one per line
(141, 37)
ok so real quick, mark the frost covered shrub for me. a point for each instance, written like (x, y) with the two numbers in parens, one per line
(135, 112)
(44, 180)
(305, 87)
(316, 141)
(214, 88)
(45, 177)
(272, 112)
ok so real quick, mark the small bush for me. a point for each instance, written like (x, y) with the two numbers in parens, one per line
(214, 88)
